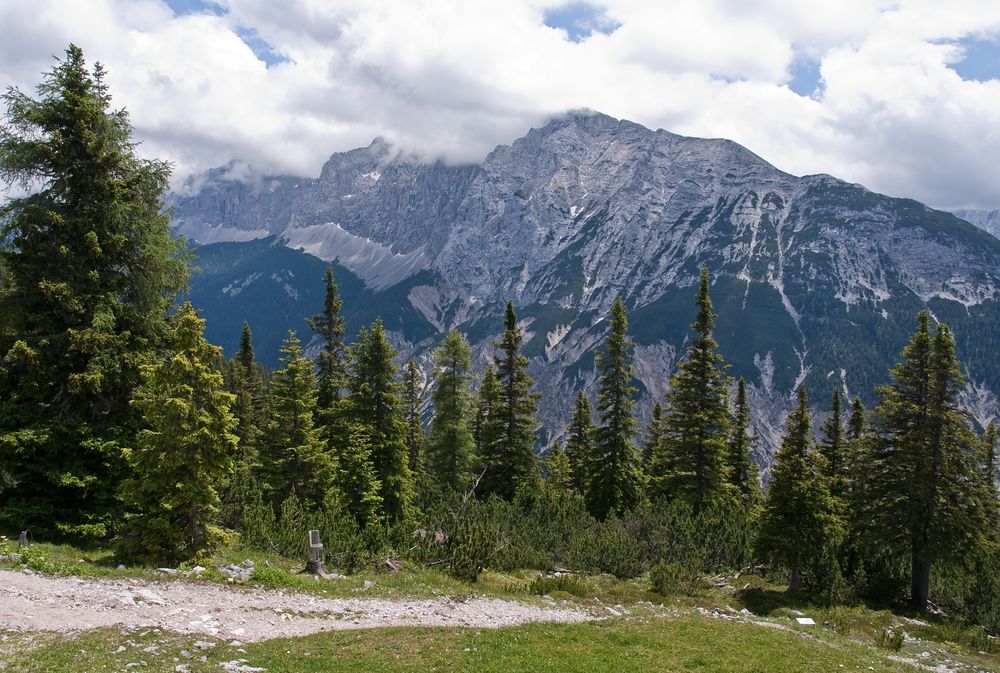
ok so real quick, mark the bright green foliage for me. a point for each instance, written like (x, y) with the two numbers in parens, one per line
(90, 271)
(357, 481)
(332, 360)
(798, 519)
(743, 473)
(376, 405)
(415, 438)
(834, 449)
(690, 463)
(581, 446)
(486, 405)
(654, 434)
(558, 471)
(922, 494)
(508, 452)
(184, 450)
(296, 459)
(451, 444)
(614, 473)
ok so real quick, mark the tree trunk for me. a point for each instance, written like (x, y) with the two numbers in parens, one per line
(919, 581)
(793, 583)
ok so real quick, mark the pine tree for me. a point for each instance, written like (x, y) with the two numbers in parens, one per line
(415, 438)
(798, 517)
(614, 474)
(654, 434)
(376, 405)
(332, 359)
(990, 455)
(581, 447)
(833, 448)
(296, 458)
(690, 463)
(921, 492)
(856, 423)
(486, 405)
(357, 481)
(558, 472)
(508, 455)
(246, 355)
(451, 445)
(90, 271)
(184, 450)
(743, 474)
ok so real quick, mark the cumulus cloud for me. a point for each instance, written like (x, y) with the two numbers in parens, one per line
(447, 79)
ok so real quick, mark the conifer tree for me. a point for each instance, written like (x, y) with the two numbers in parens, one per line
(358, 485)
(581, 447)
(486, 405)
(90, 272)
(451, 445)
(922, 494)
(856, 423)
(690, 463)
(558, 472)
(833, 448)
(508, 454)
(614, 475)
(990, 455)
(743, 474)
(798, 517)
(654, 434)
(297, 460)
(376, 405)
(246, 355)
(415, 438)
(331, 362)
(184, 450)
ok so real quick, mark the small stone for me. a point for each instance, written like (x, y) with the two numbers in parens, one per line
(369, 584)
(203, 645)
(185, 654)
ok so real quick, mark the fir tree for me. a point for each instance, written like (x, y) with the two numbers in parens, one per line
(558, 472)
(654, 434)
(184, 450)
(690, 463)
(798, 518)
(486, 405)
(833, 448)
(508, 455)
(581, 447)
(332, 359)
(990, 455)
(246, 355)
(357, 481)
(297, 460)
(922, 494)
(614, 475)
(376, 405)
(856, 423)
(90, 271)
(451, 445)
(415, 438)
(743, 473)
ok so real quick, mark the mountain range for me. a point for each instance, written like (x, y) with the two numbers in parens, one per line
(816, 280)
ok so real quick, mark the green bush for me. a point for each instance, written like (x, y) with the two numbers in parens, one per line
(609, 548)
(547, 585)
(890, 638)
(669, 579)
(471, 543)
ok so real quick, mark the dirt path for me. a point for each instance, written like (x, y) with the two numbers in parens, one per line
(31, 602)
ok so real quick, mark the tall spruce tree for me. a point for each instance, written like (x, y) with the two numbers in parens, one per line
(581, 446)
(331, 363)
(922, 494)
(246, 355)
(743, 474)
(798, 517)
(91, 269)
(614, 475)
(833, 446)
(357, 482)
(486, 407)
(184, 450)
(690, 463)
(296, 460)
(558, 472)
(451, 445)
(508, 454)
(415, 439)
(990, 455)
(376, 405)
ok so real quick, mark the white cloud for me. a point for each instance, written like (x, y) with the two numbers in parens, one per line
(453, 79)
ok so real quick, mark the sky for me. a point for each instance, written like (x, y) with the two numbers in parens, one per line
(901, 96)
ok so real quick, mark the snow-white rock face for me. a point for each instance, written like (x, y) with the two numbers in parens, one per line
(811, 275)
(987, 220)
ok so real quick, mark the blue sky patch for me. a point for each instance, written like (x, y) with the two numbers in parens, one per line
(182, 7)
(261, 49)
(580, 20)
(805, 76)
(982, 59)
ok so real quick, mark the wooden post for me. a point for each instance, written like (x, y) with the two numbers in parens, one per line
(314, 564)
(23, 541)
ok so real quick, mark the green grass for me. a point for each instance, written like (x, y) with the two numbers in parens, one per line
(685, 643)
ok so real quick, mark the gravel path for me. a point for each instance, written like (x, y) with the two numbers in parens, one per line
(32, 602)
